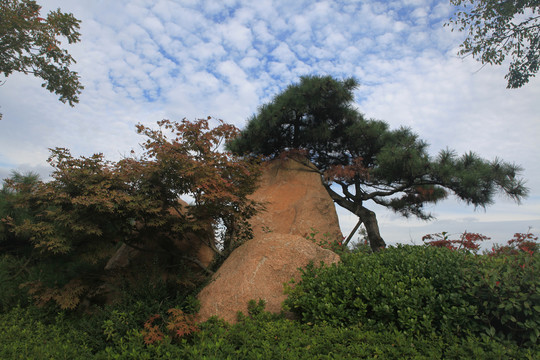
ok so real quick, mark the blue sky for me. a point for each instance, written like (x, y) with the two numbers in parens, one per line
(142, 61)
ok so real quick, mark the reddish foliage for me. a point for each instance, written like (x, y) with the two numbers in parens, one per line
(426, 193)
(181, 324)
(347, 172)
(178, 325)
(67, 296)
(152, 332)
(327, 242)
(91, 203)
(468, 241)
(521, 242)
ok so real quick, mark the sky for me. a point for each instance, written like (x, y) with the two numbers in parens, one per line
(145, 60)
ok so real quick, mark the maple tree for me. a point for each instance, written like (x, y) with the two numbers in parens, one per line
(361, 160)
(30, 44)
(93, 204)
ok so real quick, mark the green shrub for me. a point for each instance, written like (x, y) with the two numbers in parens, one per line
(410, 288)
(257, 335)
(410, 302)
(425, 290)
(24, 336)
(506, 290)
(261, 335)
(137, 303)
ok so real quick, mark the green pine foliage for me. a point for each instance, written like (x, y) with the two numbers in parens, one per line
(362, 161)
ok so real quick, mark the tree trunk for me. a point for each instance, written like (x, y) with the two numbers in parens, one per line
(367, 217)
(372, 227)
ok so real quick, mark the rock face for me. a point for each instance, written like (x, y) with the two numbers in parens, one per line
(296, 201)
(257, 270)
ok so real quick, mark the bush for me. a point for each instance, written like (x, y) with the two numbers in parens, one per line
(413, 302)
(409, 288)
(504, 284)
(257, 335)
(24, 336)
(506, 290)
(262, 335)
(425, 290)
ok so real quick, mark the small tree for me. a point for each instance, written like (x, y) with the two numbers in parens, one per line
(363, 160)
(93, 204)
(29, 44)
(497, 29)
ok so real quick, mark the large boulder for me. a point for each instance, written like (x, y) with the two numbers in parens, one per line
(296, 201)
(257, 270)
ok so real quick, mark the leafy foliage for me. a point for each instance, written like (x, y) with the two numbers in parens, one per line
(519, 243)
(178, 325)
(326, 241)
(12, 275)
(497, 29)
(411, 289)
(260, 335)
(18, 186)
(506, 289)
(362, 160)
(93, 204)
(469, 241)
(25, 336)
(504, 283)
(30, 44)
(192, 163)
(425, 290)
(424, 278)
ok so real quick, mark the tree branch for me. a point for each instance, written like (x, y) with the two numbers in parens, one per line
(198, 263)
(346, 242)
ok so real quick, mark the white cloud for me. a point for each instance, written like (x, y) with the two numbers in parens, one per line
(153, 25)
(302, 27)
(250, 62)
(236, 35)
(283, 54)
(262, 33)
(420, 15)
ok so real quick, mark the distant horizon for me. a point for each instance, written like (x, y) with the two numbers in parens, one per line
(411, 231)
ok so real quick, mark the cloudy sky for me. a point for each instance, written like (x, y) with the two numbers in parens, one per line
(144, 60)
